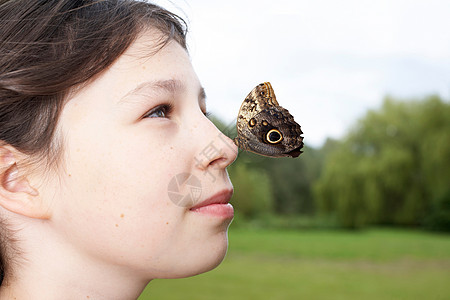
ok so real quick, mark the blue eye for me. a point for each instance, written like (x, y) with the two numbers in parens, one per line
(161, 111)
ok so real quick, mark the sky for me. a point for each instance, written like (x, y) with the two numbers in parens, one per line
(328, 61)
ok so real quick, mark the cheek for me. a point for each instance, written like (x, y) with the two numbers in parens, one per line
(114, 199)
(118, 200)
(119, 181)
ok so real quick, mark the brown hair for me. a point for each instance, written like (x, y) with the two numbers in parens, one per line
(48, 48)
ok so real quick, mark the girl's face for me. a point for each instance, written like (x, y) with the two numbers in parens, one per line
(131, 139)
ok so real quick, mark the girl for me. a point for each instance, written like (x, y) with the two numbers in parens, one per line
(111, 175)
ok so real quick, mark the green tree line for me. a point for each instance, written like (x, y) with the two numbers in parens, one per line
(391, 168)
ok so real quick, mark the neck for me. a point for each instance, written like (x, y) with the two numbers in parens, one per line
(52, 269)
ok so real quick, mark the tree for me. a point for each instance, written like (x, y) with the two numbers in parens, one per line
(252, 192)
(392, 168)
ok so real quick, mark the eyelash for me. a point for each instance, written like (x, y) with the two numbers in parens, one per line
(166, 110)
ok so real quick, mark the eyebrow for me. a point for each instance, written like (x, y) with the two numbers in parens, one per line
(172, 86)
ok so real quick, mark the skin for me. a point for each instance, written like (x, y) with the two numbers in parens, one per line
(104, 224)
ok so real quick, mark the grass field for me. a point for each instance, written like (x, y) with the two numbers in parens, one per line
(373, 264)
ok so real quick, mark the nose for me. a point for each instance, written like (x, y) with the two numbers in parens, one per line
(216, 150)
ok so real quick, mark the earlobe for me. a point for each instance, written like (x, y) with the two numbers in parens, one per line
(16, 193)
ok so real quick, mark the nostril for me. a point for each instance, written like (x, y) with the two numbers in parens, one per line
(218, 162)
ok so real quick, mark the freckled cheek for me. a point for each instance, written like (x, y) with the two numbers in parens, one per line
(126, 199)
(128, 208)
(153, 220)
(127, 181)
(136, 167)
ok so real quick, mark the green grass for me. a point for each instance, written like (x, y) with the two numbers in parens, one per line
(372, 264)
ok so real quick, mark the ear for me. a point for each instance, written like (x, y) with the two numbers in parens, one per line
(16, 193)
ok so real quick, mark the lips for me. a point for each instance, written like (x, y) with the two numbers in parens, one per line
(217, 205)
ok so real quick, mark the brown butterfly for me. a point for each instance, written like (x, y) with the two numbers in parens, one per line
(266, 128)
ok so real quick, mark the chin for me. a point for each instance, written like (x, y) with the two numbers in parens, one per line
(200, 260)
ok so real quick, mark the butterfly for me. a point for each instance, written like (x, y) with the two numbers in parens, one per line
(266, 128)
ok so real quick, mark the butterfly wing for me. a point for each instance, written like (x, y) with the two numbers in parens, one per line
(277, 132)
(266, 128)
(258, 99)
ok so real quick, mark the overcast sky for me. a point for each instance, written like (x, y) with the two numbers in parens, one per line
(328, 61)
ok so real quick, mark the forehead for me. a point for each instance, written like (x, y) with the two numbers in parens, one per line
(138, 65)
(141, 64)
(145, 55)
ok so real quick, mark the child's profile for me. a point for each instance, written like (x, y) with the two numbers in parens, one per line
(100, 109)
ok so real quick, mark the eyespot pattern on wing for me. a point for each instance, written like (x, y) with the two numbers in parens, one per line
(266, 128)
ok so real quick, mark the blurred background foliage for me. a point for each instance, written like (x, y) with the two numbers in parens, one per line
(391, 169)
